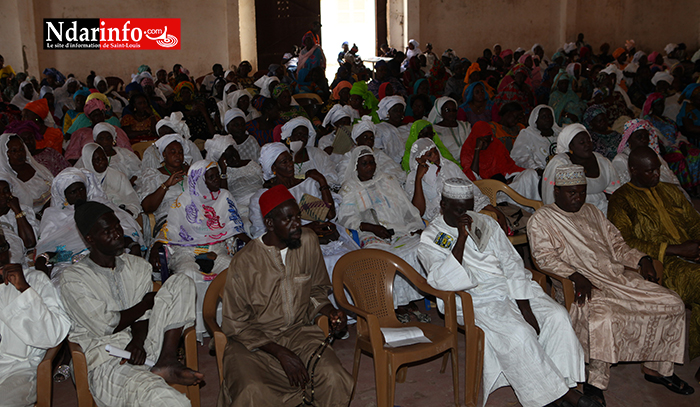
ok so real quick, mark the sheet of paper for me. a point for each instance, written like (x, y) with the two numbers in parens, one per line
(121, 353)
(397, 337)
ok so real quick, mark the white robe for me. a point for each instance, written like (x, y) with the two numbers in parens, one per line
(320, 161)
(8, 224)
(432, 188)
(152, 158)
(243, 183)
(540, 369)
(607, 182)
(453, 137)
(392, 140)
(532, 150)
(30, 323)
(385, 165)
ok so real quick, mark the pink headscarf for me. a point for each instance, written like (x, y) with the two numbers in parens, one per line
(649, 102)
(93, 105)
(637, 124)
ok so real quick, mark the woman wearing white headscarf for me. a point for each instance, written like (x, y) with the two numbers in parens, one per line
(119, 158)
(338, 116)
(452, 132)
(25, 95)
(247, 146)
(363, 134)
(31, 181)
(265, 83)
(63, 96)
(574, 146)
(58, 233)
(375, 205)
(299, 135)
(277, 166)
(17, 222)
(392, 133)
(117, 101)
(538, 141)
(201, 231)
(241, 99)
(169, 125)
(432, 170)
(243, 176)
(113, 182)
(159, 187)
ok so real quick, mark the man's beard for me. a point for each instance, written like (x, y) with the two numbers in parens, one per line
(292, 243)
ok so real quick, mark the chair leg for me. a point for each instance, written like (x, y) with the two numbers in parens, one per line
(355, 369)
(455, 373)
(445, 358)
(383, 377)
(474, 358)
(393, 378)
(401, 374)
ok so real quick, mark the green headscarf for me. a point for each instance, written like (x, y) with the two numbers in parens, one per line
(416, 128)
(370, 101)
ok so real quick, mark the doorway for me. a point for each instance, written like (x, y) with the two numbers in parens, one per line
(347, 20)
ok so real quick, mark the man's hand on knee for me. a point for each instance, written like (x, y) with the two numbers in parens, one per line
(291, 363)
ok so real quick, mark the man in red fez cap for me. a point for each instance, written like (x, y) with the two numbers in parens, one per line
(275, 287)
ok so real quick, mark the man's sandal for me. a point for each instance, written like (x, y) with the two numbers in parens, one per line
(673, 383)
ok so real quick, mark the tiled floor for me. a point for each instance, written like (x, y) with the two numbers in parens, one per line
(425, 386)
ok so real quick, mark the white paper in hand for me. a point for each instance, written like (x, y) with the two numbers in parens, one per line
(396, 337)
(121, 353)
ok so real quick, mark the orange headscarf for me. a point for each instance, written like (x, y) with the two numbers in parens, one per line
(340, 86)
(495, 159)
(39, 106)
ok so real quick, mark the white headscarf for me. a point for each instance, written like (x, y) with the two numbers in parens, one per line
(418, 149)
(233, 97)
(104, 126)
(217, 145)
(268, 155)
(365, 124)
(568, 134)
(337, 112)
(231, 114)
(86, 159)
(670, 47)
(662, 76)
(435, 115)
(44, 90)
(351, 170)
(387, 103)
(19, 100)
(535, 114)
(199, 216)
(21, 191)
(264, 84)
(289, 127)
(176, 122)
(97, 80)
(63, 98)
(166, 140)
(137, 78)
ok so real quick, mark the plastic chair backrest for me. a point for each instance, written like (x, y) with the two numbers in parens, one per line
(140, 147)
(212, 297)
(491, 188)
(368, 275)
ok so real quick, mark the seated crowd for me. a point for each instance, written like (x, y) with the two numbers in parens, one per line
(275, 176)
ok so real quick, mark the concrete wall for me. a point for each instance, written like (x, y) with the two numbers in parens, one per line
(223, 31)
(469, 26)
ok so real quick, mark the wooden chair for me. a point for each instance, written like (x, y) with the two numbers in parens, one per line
(140, 147)
(214, 293)
(368, 275)
(568, 285)
(491, 188)
(44, 378)
(80, 369)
